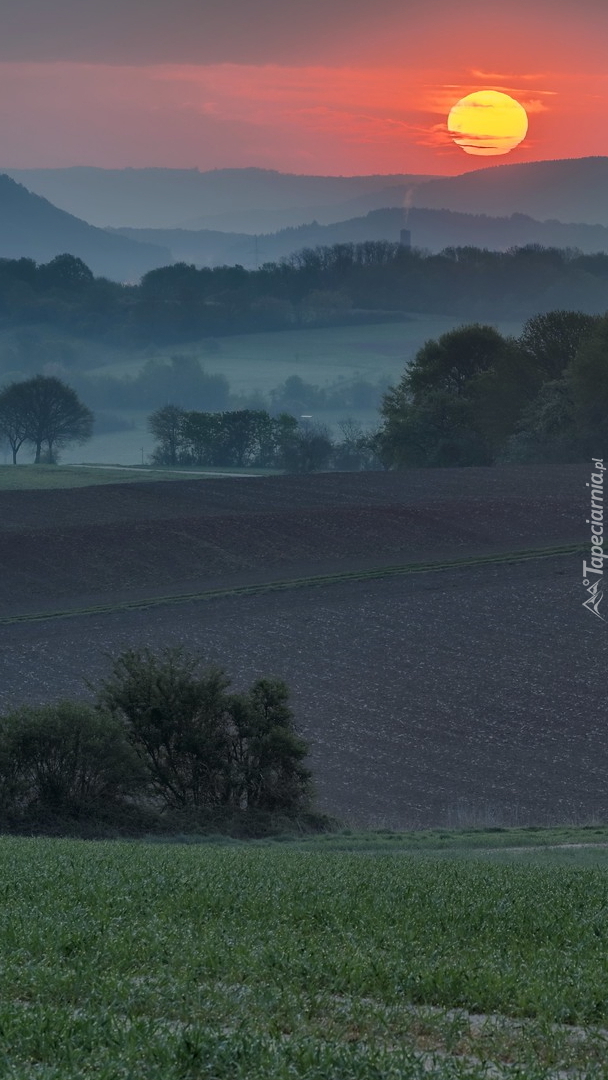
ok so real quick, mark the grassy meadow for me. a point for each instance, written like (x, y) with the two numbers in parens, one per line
(285, 961)
(51, 477)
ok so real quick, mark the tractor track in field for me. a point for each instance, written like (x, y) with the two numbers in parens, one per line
(297, 583)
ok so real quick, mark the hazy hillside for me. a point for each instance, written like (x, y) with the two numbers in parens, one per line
(32, 227)
(222, 198)
(430, 229)
(574, 189)
(264, 201)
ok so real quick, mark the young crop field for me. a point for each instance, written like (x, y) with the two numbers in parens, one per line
(52, 477)
(167, 962)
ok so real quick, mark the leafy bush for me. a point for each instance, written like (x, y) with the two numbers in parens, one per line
(67, 757)
(202, 747)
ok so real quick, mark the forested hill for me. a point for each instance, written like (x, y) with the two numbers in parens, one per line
(33, 228)
(252, 200)
(432, 230)
(374, 281)
(570, 190)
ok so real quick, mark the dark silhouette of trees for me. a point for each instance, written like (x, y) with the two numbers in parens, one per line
(344, 283)
(65, 758)
(307, 449)
(552, 340)
(166, 425)
(14, 416)
(201, 746)
(43, 410)
(475, 398)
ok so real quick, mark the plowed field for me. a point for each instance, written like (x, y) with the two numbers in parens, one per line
(467, 695)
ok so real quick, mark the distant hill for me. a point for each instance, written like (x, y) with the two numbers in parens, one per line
(571, 190)
(248, 200)
(433, 230)
(264, 201)
(32, 227)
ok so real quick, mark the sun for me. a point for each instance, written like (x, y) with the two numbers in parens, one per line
(488, 123)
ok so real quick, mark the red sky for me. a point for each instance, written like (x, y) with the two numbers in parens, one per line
(308, 86)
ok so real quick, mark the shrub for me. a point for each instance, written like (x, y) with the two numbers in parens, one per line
(202, 747)
(67, 758)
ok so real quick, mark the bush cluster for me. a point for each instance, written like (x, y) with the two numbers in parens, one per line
(161, 743)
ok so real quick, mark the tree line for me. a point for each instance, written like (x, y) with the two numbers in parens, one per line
(321, 286)
(471, 397)
(161, 739)
(474, 397)
(252, 438)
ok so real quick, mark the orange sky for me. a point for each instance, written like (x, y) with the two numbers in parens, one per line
(370, 95)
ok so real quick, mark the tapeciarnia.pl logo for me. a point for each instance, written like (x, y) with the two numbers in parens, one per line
(593, 572)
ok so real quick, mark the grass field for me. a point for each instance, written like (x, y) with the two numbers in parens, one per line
(319, 355)
(49, 477)
(166, 961)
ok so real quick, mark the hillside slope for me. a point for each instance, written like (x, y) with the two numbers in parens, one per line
(570, 190)
(431, 230)
(32, 227)
(252, 200)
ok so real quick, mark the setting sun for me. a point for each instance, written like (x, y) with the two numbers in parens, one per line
(488, 123)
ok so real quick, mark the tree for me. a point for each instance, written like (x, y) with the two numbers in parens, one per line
(588, 378)
(167, 426)
(307, 449)
(66, 272)
(64, 757)
(53, 414)
(267, 752)
(13, 416)
(203, 747)
(436, 429)
(454, 359)
(548, 430)
(551, 340)
(177, 722)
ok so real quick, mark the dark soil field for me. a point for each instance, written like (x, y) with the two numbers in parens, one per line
(69, 547)
(468, 696)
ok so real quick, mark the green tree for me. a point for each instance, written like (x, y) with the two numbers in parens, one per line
(551, 341)
(453, 360)
(167, 427)
(588, 378)
(434, 430)
(548, 430)
(267, 753)
(459, 401)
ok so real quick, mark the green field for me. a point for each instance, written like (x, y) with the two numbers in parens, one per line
(45, 477)
(322, 355)
(278, 962)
